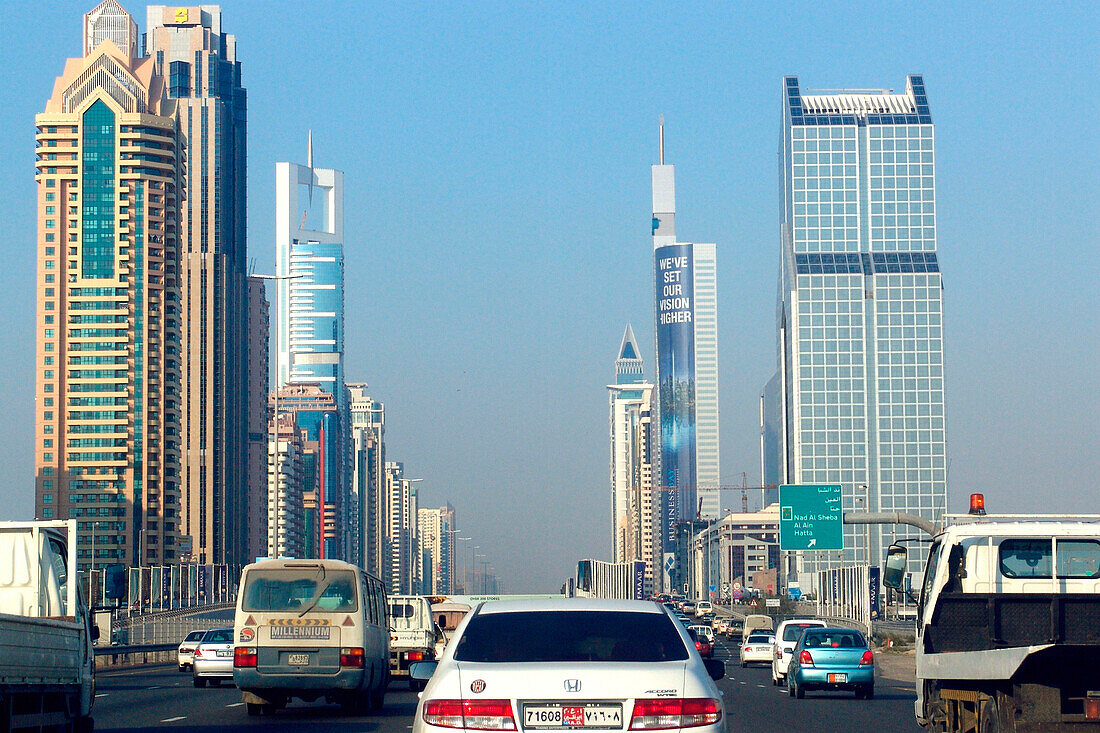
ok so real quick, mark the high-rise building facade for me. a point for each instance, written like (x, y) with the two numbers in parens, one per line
(199, 61)
(402, 546)
(258, 350)
(686, 315)
(288, 477)
(368, 478)
(316, 413)
(436, 530)
(107, 369)
(310, 324)
(634, 508)
(861, 343)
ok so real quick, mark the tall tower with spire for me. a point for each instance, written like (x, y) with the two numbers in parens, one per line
(634, 511)
(309, 256)
(685, 313)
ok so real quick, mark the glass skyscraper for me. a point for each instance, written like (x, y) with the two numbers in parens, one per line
(861, 344)
(686, 320)
(198, 60)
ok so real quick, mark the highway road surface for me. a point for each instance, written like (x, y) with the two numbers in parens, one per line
(164, 700)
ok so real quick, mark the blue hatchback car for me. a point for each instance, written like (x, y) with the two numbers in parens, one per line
(832, 659)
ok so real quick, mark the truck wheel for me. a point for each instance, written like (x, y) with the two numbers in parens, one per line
(199, 681)
(255, 708)
(84, 724)
(377, 699)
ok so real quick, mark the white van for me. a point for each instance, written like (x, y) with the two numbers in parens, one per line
(786, 636)
(310, 629)
(703, 608)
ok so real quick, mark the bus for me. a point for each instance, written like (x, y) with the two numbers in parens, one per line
(310, 629)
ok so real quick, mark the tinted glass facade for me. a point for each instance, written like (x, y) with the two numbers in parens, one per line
(860, 311)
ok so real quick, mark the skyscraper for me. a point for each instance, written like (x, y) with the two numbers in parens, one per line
(199, 61)
(686, 317)
(860, 308)
(634, 508)
(259, 350)
(108, 163)
(368, 478)
(310, 326)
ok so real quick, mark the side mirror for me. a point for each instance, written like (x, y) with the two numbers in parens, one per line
(94, 630)
(422, 671)
(894, 573)
(716, 668)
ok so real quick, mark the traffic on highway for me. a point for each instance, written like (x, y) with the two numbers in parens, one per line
(546, 665)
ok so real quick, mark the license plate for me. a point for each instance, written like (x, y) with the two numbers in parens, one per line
(836, 677)
(300, 660)
(225, 652)
(550, 716)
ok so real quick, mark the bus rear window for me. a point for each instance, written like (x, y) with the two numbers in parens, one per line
(296, 589)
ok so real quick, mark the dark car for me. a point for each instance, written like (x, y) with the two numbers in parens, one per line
(832, 659)
(703, 645)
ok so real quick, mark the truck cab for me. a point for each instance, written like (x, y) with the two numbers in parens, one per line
(1008, 624)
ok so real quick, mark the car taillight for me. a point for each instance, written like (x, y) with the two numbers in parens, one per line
(352, 657)
(867, 658)
(805, 658)
(699, 645)
(666, 713)
(778, 653)
(470, 714)
(415, 656)
(244, 656)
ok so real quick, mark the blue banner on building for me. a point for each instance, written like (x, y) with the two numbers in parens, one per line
(639, 580)
(673, 267)
(873, 576)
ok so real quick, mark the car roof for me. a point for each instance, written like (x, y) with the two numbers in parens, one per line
(570, 604)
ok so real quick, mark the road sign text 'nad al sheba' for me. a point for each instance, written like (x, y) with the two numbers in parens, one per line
(811, 517)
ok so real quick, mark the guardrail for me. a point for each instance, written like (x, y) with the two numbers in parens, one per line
(132, 655)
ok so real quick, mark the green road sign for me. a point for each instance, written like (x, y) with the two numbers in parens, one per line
(810, 517)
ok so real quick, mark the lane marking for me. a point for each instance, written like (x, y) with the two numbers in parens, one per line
(235, 705)
(154, 687)
(173, 720)
(103, 694)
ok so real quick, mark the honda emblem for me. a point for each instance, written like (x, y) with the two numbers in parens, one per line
(572, 685)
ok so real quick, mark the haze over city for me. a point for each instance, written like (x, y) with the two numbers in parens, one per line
(497, 228)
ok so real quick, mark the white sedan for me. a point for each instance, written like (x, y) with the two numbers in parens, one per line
(758, 648)
(568, 664)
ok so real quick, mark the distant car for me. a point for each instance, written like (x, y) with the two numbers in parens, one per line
(786, 636)
(757, 649)
(703, 632)
(702, 645)
(213, 658)
(832, 659)
(569, 663)
(702, 608)
(688, 608)
(186, 650)
(733, 629)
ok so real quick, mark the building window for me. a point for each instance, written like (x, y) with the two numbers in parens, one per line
(47, 512)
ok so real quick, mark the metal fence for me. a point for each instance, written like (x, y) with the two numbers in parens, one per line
(169, 626)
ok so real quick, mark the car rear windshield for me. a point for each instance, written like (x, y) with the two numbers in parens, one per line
(218, 636)
(792, 632)
(195, 635)
(288, 590)
(570, 636)
(758, 639)
(836, 639)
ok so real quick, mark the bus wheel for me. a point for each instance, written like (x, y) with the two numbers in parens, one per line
(255, 708)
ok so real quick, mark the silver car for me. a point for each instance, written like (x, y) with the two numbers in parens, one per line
(185, 652)
(573, 663)
(213, 658)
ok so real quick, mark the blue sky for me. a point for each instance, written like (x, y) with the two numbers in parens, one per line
(496, 160)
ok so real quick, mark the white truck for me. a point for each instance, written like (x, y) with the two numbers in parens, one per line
(413, 635)
(1008, 623)
(47, 662)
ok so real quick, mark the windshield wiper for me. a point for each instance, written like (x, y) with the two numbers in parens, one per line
(317, 595)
